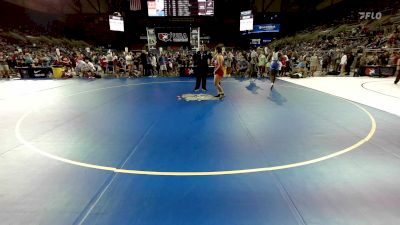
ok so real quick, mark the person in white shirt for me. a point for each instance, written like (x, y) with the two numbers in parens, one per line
(154, 64)
(129, 63)
(279, 67)
(110, 62)
(274, 68)
(82, 68)
(343, 63)
(266, 50)
(90, 65)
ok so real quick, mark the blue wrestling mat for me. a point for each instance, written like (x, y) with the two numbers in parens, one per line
(152, 152)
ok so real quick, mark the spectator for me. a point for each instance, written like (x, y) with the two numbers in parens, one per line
(153, 64)
(28, 61)
(350, 59)
(129, 63)
(243, 66)
(397, 69)
(313, 64)
(228, 63)
(343, 63)
(262, 61)
(163, 65)
(4, 68)
(110, 63)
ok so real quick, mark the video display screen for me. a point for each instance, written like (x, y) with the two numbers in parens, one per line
(246, 20)
(116, 23)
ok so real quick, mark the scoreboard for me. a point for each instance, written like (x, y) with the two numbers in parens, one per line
(180, 7)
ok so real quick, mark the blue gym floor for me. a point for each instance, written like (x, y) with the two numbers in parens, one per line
(128, 151)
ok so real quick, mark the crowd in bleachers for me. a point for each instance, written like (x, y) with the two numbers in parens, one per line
(86, 62)
(100, 62)
(340, 49)
(344, 48)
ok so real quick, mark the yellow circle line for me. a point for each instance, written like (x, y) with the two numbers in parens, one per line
(209, 173)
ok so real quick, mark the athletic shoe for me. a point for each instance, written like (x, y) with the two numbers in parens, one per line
(217, 96)
(196, 90)
(204, 90)
(272, 85)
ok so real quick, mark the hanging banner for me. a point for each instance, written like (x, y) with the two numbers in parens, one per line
(151, 38)
(168, 36)
(266, 28)
(195, 38)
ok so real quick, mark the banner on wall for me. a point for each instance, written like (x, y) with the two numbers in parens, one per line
(266, 28)
(167, 36)
(151, 39)
(195, 38)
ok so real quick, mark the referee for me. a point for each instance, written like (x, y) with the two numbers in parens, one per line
(201, 62)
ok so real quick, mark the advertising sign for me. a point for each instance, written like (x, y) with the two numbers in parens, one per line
(195, 38)
(151, 38)
(167, 36)
(263, 28)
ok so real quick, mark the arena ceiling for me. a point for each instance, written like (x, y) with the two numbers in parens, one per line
(102, 6)
(63, 6)
(59, 16)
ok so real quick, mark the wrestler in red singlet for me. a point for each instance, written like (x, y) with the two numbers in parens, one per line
(219, 73)
(220, 70)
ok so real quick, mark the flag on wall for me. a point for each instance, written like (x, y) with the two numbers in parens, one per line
(135, 5)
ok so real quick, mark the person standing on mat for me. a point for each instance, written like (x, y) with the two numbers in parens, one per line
(201, 62)
(219, 72)
(274, 68)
